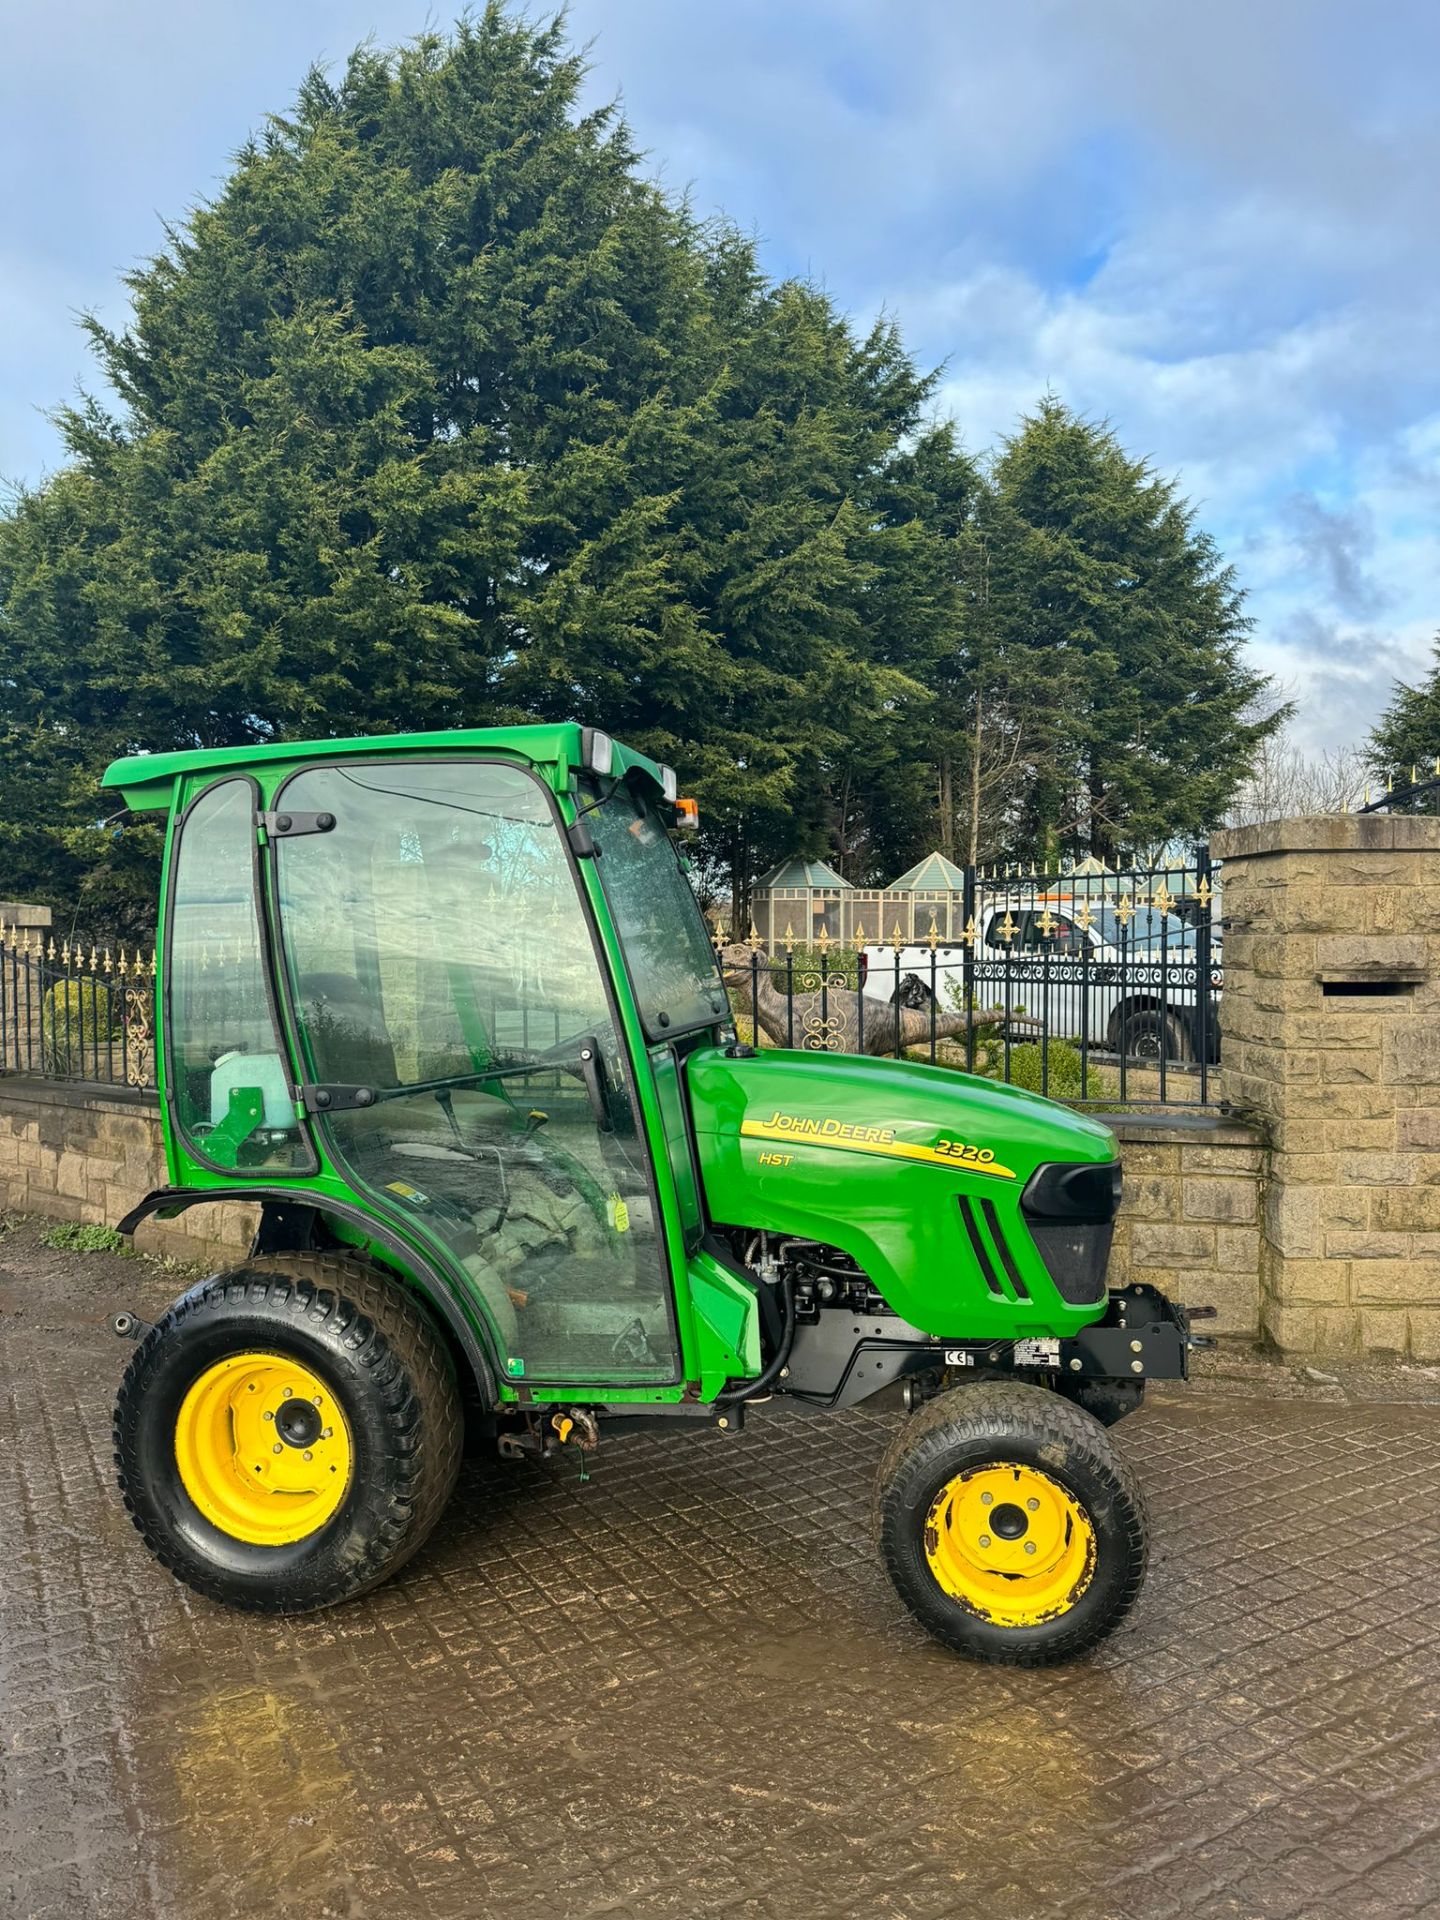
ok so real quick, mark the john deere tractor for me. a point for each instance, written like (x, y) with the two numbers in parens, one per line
(443, 1008)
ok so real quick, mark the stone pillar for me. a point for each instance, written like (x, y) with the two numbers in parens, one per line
(1330, 1043)
(23, 917)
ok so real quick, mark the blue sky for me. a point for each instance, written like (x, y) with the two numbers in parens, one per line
(1215, 226)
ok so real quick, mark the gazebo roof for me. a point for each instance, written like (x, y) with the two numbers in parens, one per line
(933, 874)
(800, 872)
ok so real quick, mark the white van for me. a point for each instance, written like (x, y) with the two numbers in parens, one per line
(1121, 978)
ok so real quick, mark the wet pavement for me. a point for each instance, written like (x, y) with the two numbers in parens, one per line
(686, 1688)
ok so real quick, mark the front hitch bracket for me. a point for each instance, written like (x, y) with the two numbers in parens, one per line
(1143, 1336)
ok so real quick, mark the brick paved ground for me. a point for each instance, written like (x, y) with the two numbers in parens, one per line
(686, 1689)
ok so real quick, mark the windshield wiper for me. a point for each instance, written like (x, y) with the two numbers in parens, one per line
(331, 1096)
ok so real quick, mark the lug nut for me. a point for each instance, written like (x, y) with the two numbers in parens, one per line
(277, 1448)
(1029, 1546)
(984, 1539)
(1033, 1505)
(1074, 1366)
(326, 1432)
(308, 1454)
(986, 1499)
(267, 1415)
(317, 1399)
(288, 1393)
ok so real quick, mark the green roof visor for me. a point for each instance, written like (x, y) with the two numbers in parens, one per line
(148, 780)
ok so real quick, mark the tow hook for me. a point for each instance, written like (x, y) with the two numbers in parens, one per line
(129, 1326)
(1200, 1313)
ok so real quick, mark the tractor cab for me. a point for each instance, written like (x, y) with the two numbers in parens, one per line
(445, 1008)
(427, 1013)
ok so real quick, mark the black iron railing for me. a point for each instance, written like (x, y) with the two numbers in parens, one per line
(1096, 987)
(72, 1011)
(1415, 792)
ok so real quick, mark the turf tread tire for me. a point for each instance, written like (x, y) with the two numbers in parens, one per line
(964, 1426)
(383, 1330)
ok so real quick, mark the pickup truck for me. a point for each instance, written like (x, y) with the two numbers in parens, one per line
(1121, 979)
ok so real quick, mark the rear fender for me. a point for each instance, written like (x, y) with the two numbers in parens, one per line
(295, 1222)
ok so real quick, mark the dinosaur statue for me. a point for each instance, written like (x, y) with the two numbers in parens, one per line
(832, 1021)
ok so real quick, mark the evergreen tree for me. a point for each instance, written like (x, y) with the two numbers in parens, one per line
(1405, 740)
(1142, 718)
(439, 415)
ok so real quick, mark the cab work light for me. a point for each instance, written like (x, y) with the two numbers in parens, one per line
(687, 814)
(597, 750)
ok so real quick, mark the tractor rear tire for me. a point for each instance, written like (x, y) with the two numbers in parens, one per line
(1011, 1527)
(289, 1433)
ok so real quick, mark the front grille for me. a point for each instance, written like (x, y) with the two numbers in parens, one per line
(1012, 1272)
(980, 1250)
(983, 1258)
(1076, 1255)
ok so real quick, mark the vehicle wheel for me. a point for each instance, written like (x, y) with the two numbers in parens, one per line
(1149, 1035)
(1010, 1526)
(288, 1434)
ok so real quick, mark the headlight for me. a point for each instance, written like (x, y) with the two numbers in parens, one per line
(669, 785)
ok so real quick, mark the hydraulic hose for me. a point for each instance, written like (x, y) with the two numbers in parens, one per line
(781, 1354)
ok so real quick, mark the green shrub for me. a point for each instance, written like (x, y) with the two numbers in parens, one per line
(812, 968)
(70, 1237)
(1054, 1070)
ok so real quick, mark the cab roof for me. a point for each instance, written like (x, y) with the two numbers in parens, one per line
(150, 780)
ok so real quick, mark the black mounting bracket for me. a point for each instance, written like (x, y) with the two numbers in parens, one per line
(335, 1098)
(283, 825)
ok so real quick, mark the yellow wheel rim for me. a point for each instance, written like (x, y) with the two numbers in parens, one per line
(263, 1448)
(1010, 1544)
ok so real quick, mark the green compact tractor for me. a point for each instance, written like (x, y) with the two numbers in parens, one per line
(444, 1008)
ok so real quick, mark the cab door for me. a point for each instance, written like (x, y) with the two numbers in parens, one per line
(463, 1058)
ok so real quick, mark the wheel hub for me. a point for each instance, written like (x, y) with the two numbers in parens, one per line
(1010, 1544)
(1009, 1521)
(299, 1423)
(263, 1448)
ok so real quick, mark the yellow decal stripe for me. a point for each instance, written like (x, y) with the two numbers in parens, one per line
(896, 1150)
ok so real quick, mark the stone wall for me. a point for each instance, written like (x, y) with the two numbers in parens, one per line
(1309, 1215)
(1331, 1047)
(1188, 1225)
(88, 1154)
(1190, 1221)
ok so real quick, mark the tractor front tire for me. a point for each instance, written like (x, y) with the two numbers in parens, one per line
(289, 1433)
(1011, 1527)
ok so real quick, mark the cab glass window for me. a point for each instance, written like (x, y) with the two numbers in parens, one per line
(224, 1063)
(662, 931)
(441, 964)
